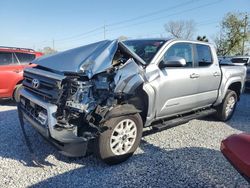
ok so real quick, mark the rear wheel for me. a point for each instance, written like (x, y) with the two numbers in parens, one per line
(120, 141)
(16, 95)
(226, 109)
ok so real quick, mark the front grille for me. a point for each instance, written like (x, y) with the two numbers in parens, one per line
(34, 111)
(49, 84)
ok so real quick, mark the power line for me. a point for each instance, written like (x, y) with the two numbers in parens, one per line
(81, 34)
(173, 14)
(152, 13)
(161, 33)
(124, 21)
(104, 28)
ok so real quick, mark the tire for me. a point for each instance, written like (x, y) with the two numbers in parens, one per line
(110, 145)
(226, 109)
(16, 95)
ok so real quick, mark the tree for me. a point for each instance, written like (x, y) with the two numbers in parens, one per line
(122, 37)
(203, 38)
(47, 50)
(181, 29)
(233, 35)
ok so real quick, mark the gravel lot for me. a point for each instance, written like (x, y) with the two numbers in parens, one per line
(183, 156)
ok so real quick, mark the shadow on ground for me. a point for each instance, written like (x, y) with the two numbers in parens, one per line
(155, 166)
(241, 117)
(12, 141)
(184, 167)
(7, 102)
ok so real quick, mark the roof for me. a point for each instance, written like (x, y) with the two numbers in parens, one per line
(164, 39)
(171, 39)
(16, 49)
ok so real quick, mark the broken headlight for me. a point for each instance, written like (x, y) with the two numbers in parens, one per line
(81, 98)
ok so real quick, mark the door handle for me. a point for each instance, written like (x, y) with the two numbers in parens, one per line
(216, 74)
(194, 75)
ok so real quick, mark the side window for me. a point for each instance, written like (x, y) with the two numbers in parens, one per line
(204, 56)
(7, 58)
(25, 58)
(183, 50)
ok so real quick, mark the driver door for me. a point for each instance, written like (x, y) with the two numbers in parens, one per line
(177, 86)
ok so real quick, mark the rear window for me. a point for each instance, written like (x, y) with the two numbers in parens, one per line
(25, 58)
(7, 58)
(204, 55)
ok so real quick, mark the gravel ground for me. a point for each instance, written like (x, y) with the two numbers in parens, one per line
(183, 156)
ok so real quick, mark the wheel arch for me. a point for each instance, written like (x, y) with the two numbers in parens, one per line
(14, 89)
(140, 100)
(236, 86)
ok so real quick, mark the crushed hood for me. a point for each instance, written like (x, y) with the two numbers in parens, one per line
(92, 59)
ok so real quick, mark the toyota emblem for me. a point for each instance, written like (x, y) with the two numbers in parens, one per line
(35, 83)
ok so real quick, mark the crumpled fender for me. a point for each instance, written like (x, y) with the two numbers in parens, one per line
(129, 77)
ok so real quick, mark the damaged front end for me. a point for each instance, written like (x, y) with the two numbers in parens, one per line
(71, 108)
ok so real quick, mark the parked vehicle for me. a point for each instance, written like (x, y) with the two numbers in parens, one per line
(247, 83)
(238, 60)
(241, 60)
(236, 149)
(12, 62)
(102, 95)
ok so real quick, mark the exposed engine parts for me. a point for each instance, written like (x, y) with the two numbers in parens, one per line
(81, 97)
(89, 100)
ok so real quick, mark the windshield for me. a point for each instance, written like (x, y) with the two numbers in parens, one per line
(145, 49)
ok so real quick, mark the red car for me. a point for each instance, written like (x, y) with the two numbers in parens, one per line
(12, 62)
(236, 148)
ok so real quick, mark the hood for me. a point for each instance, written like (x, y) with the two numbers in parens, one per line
(91, 59)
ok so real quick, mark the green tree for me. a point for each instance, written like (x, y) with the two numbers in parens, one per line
(203, 38)
(233, 34)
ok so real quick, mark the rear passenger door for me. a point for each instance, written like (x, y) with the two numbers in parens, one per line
(209, 75)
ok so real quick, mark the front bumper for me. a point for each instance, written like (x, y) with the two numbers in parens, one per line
(65, 140)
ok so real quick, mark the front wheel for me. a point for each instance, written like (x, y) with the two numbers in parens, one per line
(120, 141)
(226, 109)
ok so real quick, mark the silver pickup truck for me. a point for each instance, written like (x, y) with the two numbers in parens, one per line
(99, 97)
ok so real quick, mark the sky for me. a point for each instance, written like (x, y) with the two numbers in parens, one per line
(66, 24)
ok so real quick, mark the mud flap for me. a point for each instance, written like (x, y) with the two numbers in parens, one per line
(26, 139)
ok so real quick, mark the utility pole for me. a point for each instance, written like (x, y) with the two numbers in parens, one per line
(104, 31)
(244, 32)
(53, 44)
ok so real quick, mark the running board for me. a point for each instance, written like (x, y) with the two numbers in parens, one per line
(183, 119)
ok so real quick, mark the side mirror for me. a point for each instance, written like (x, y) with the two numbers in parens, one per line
(173, 61)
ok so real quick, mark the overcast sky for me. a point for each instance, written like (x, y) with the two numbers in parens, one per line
(35, 24)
